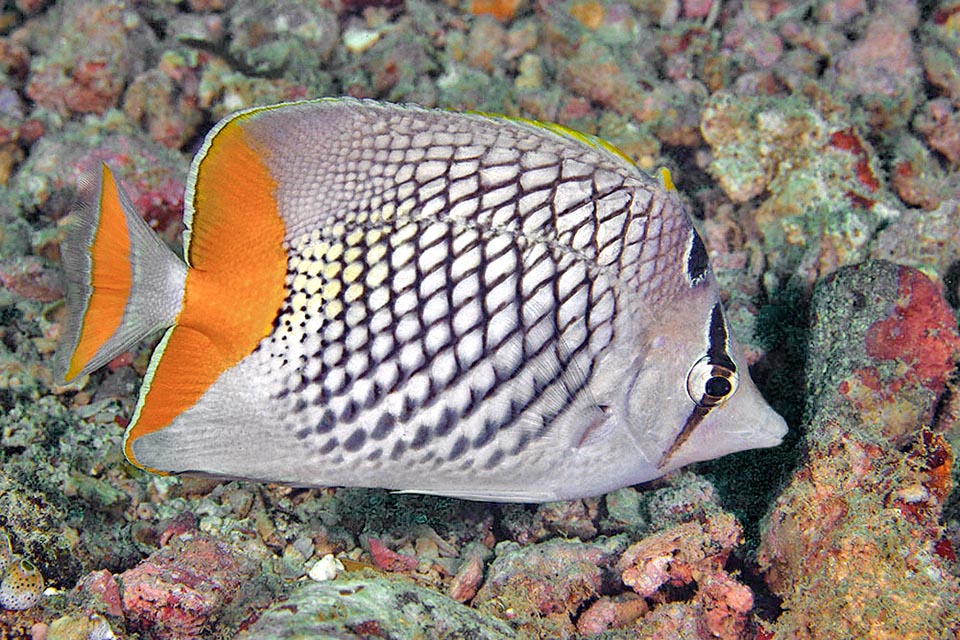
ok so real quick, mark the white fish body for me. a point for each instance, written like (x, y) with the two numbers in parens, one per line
(388, 296)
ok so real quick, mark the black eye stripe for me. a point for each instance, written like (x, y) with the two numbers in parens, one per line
(697, 260)
(693, 421)
(717, 351)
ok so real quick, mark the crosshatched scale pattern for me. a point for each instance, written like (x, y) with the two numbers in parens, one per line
(453, 297)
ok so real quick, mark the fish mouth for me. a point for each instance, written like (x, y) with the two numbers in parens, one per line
(766, 430)
(771, 432)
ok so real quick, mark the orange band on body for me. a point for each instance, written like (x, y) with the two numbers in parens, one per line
(235, 286)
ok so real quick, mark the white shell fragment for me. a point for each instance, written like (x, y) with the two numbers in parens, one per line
(326, 568)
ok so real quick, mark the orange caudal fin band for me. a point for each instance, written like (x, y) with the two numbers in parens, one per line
(122, 282)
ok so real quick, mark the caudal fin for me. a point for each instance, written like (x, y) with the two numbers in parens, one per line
(123, 282)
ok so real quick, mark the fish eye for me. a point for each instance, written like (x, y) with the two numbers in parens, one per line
(711, 384)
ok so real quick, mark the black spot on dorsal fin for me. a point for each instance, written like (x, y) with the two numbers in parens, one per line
(718, 340)
(697, 260)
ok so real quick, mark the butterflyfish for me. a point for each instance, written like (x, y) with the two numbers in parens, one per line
(421, 300)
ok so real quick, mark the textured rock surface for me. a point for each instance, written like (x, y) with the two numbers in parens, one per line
(854, 544)
(370, 606)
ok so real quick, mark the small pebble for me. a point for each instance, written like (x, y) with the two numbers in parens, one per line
(326, 568)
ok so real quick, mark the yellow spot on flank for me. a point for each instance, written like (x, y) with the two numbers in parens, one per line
(313, 306)
(355, 237)
(376, 253)
(352, 272)
(354, 291)
(331, 271)
(377, 274)
(300, 282)
(387, 212)
(338, 230)
(405, 207)
(373, 236)
(312, 286)
(334, 252)
(331, 290)
(352, 255)
(333, 309)
(299, 301)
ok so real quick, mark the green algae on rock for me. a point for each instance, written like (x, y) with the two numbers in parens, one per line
(371, 606)
(818, 180)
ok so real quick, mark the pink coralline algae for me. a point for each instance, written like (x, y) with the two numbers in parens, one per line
(680, 555)
(940, 123)
(91, 81)
(920, 332)
(913, 349)
(540, 587)
(690, 554)
(611, 612)
(726, 605)
(102, 592)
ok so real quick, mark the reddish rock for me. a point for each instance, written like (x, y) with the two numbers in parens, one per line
(726, 606)
(183, 522)
(679, 555)
(913, 350)
(541, 586)
(87, 69)
(940, 123)
(103, 588)
(468, 577)
(697, 8)
(389, 560)
(883, 60)
(920, 333)
(176, 591)
(851, 543)
(611, 613)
